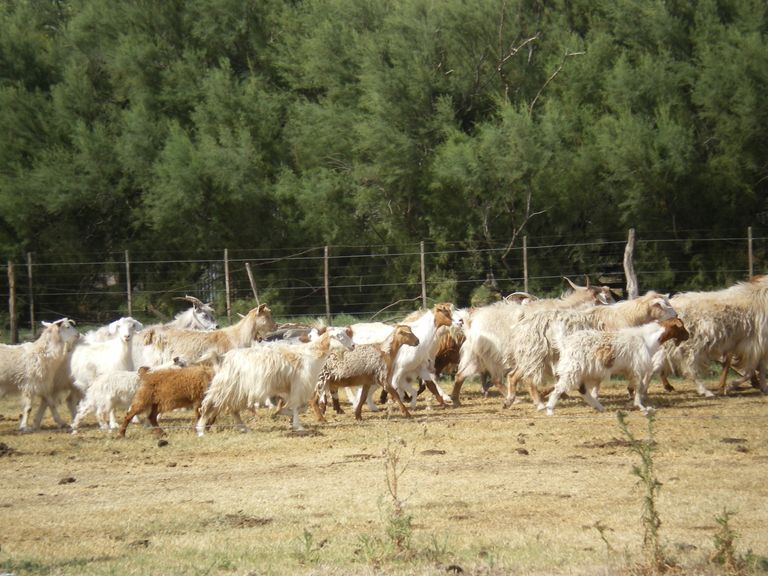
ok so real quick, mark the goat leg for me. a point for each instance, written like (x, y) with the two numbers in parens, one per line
(430, 385)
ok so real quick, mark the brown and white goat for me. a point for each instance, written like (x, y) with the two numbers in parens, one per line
(365, 366)
(587, 357)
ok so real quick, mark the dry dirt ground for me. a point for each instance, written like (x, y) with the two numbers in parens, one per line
(483, 491)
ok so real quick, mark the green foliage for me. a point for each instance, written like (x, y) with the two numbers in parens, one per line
(175, 126)
(725, 554)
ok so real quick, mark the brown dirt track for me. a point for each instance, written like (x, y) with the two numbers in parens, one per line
(490, 491)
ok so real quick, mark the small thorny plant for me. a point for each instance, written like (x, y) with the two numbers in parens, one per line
(656, 562)
(399, 524)
(725, 550)
(308, 552)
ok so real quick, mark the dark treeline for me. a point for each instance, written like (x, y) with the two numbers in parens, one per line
(185, 125)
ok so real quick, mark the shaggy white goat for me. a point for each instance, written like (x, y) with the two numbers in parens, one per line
(489, 330)
(29, 368)
(411, 362)
(532, 346)
(587, 357)
(732, 322)
(252, 376)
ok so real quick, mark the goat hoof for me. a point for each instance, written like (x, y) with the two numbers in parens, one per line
(550, 412)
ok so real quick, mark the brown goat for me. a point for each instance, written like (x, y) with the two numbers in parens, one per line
(168, 389)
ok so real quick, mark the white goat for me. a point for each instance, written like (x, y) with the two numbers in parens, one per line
(587, 357)
(29, 368)
(532, 346)
(90, 358)
(252, 376)
(108, 392)
(490, 329)
(732, 322)
(411, 362)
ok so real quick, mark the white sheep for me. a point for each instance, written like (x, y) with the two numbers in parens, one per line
(587, 357)
(253, 376)
(29, 368)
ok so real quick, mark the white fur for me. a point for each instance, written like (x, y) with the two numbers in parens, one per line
(251, 376)
(29, 368)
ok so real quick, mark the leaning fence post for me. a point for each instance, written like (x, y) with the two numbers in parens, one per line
(423, 277)
(629, 266)
(226, 285)
(326, 282)
(128, 288)
(32, 325)
(750, 257)
(12, 303)
(525, 263)
(253, 283)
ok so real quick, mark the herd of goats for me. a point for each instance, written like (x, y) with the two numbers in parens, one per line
(551, 345)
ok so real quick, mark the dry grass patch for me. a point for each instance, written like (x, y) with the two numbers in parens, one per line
(484, 491)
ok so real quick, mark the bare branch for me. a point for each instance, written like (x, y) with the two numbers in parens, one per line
(552, 77)
(517, 230)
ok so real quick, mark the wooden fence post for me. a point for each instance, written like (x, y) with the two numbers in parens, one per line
(423, 278)
(128, 287)
(629, 266)
(12, 304)
(525, 263)
(253, 283)
(750, 256)
(226, 285)
(326, 282)
(32, 324)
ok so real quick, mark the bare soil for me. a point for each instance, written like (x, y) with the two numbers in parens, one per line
(484, 490)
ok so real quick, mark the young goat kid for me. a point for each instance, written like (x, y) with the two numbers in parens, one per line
(588, 357)
(165, 389)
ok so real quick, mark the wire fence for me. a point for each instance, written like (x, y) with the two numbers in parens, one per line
(361, 281)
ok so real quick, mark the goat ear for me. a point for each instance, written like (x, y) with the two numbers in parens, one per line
(304, 338)
(349, 331)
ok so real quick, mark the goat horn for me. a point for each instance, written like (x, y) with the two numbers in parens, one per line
(190, 299)
(574, 286)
